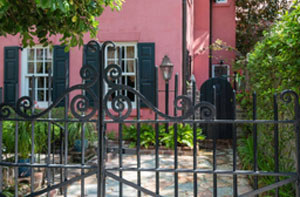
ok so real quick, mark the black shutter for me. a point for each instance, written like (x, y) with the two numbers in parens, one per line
(91, 57)
(60, 71)
(146, 55)
(11, 73)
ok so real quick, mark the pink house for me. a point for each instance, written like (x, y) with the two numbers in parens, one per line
(143, 30)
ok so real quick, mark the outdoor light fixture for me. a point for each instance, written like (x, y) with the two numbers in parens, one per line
(166, 68)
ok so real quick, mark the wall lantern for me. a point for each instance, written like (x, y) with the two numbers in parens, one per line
(166, 68)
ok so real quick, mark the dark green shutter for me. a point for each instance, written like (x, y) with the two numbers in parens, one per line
(91, 57)
(146, 55)
(60, 71)
(11, 73)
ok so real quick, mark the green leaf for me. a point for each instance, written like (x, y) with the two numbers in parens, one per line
(45, 3)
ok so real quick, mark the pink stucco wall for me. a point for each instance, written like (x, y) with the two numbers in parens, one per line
(148, 21)
(224, 29)
(190, 26)
(133, 23)
(201, 41)
(159, 21)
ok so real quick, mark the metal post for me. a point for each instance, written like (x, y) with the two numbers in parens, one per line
(32, 134)
(100, 153)
(157, 185)
(175, 139)
(255, 142)
(16, 147)
(66, 111)
(276, 142)
(82, 157)
(53, 153)
(49, 132)
(61, 157)
(167, 104)
(297, 130)
(82, 125)
(138, 126)
(215, 177)
(195, 184)
(1, 139)
(121, 135)
(234, 151)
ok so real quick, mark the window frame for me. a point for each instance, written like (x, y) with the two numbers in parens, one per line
(221, 65)
(24, 75)
(221, 1)
(122, 44)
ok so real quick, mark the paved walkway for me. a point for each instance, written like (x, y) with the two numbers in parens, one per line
(205, 181)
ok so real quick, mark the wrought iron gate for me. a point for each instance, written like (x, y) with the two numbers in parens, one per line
(185, 111)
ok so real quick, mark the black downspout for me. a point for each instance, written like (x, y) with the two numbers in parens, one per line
(210, 37)
(184, 54)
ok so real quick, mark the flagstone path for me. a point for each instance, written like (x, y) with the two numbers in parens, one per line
(185, 180)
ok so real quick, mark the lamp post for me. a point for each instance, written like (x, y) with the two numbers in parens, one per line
(166, 68)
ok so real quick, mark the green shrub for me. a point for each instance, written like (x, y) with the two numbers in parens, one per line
(272, 67)
(24, 137)
(185, 136)
(41, 136)
(265, 162)
(147, 135)
(75, 129)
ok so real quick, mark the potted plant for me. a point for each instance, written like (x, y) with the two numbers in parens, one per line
(24, 147)
(75, 130)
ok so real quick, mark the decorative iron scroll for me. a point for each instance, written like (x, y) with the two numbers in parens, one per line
(286, 96)
(122, 104)
(80, 104)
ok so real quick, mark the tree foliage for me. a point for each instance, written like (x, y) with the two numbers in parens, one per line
(44, 18)
(253, 17)
(273, 66)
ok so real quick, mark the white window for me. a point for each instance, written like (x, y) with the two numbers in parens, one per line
(125, 56)
(37, 62)
(220, 70)
(221, 1)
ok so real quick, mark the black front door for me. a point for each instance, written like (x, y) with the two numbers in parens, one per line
(223, 100)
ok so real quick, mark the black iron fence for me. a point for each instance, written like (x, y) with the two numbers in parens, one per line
(184, 110)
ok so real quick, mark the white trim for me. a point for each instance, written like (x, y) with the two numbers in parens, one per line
(219, 65)
(124, 44)
(221, 1)
(24, 74)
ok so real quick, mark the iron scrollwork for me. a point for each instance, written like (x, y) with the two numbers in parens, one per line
(121, 106)
(287, 97)
(80, 107)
